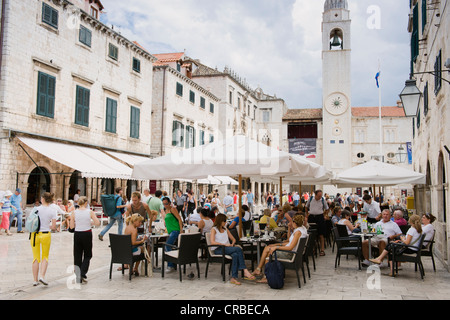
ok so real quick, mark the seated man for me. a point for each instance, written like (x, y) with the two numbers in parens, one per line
(391, 231)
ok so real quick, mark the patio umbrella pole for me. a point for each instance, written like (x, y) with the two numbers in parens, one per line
(240, 207)
(281, 191)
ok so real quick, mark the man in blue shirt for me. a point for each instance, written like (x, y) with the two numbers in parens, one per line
(16, 201)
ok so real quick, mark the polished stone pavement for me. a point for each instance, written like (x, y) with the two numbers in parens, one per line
(326, 283)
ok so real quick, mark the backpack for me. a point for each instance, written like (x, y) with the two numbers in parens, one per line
(33, 224)
(109, 204)
(274, 271)
(309, 202)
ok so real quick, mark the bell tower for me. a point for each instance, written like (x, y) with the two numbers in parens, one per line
(336, 74)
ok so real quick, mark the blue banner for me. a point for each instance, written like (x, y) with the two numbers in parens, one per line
(409, 148)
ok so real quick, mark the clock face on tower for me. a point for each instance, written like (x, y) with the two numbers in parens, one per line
(336, 104)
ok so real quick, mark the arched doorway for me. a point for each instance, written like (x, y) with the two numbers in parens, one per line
(442, 193)
(107, 186)
(77, 182)
(38, 184)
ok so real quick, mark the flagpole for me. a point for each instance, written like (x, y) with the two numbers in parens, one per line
(379, 112)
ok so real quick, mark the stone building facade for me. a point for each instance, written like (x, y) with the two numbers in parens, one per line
(68, 78)
(429, 22)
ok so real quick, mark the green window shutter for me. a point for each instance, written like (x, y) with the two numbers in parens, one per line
(82, 106)
(51, 96)
(179, 89)
(136, 65)
(49, 15)
(424, 14)
(211, 108)
(174, 133)
(85, 36)
(113, 52)
(202, 137)
(192, 96)
(111, 115)
(135, 122)
(46, 95)
(202, 103)
(415, 34)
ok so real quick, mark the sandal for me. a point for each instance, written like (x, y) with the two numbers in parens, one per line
(263, 280)
(234, 281)
(120, 268)
(136, 273)
(258, 270)
(252, 278)
(322, 253)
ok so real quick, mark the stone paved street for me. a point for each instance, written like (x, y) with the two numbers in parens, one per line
(326, 283)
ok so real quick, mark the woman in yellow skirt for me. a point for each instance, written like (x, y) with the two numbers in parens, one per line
(41, 240)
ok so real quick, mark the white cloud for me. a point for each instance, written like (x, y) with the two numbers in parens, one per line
(272, 43)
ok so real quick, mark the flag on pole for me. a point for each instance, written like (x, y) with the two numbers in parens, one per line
(377, 78)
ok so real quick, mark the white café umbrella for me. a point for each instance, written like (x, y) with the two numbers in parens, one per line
(235, 156)
(238, 155)
(377, 173)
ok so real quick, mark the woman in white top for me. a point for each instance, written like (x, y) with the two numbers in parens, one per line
(298, 233)
(81, 224)
(42, 238)
(205, 224)
(428, 228)
(345, 221)
(221, 236)
(412, 239)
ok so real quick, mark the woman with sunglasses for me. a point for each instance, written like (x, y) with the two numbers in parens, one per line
(174, 226)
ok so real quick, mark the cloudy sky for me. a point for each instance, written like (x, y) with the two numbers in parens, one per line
(274, 44)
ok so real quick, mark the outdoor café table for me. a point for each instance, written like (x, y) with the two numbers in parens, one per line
(258, 242)
(369, 235)
(151, 240)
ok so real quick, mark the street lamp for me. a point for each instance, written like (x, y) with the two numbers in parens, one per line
(401, 154)
(410, 97)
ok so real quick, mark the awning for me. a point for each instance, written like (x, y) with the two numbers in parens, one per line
(130, 159)
(225, 180)
(90, 162)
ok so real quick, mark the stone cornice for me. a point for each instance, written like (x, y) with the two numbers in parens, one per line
(188, 81)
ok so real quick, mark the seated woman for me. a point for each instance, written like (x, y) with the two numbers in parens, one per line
(205, 224)
(133, 223)
(412, 238)
(298, 233)
(337, 211)
(268, 220)
(221, 236)
(428, 228)
(345, 221)
(246, 217)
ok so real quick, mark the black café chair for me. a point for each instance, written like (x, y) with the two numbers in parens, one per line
(427, 251)
(122, 253)
(347, 246)
(297, 260)
(213, 257)
(309, 250)
(185, 253)
(414, 257)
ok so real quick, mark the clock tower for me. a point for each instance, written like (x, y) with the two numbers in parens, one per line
(336, 75)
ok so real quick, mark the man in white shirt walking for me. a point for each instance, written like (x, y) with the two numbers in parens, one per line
(315, 210)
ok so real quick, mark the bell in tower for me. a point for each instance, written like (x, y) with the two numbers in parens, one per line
(337, 41)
